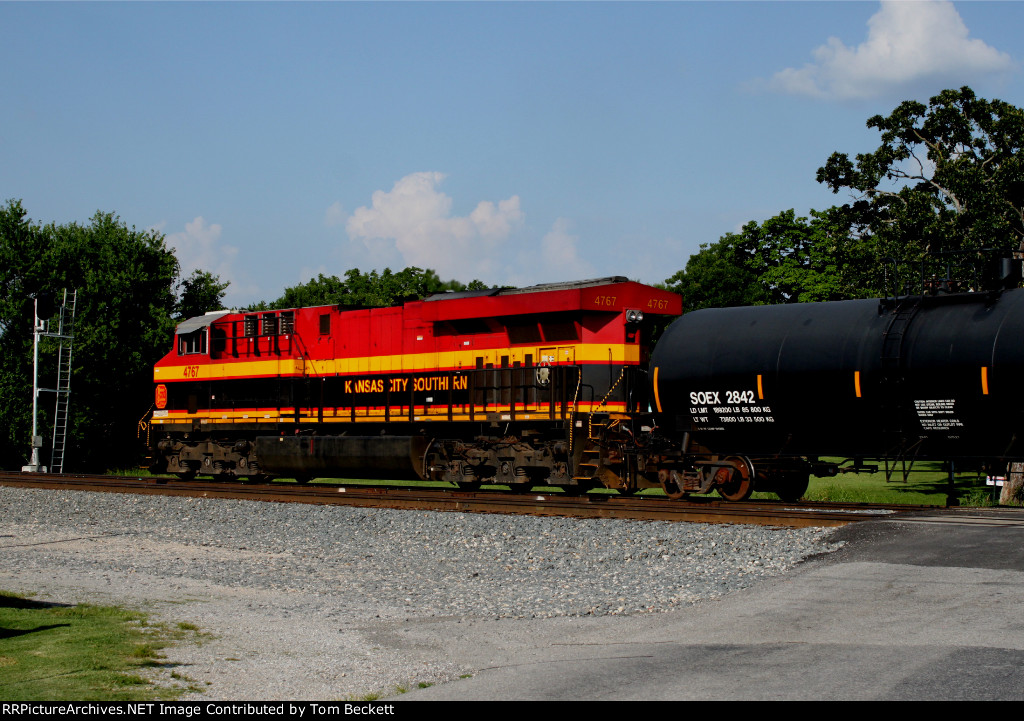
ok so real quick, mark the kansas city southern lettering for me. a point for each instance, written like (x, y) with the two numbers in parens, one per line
(399, 385)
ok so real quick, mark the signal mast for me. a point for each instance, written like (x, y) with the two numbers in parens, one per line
(44, 308)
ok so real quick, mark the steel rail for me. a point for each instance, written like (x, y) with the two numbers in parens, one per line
(593, 505)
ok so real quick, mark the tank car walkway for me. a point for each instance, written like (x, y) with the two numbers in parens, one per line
(931, 608)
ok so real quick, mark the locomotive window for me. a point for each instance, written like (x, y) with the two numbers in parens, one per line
(325, 324)
(268, 322)
(249, 328)
(287, 322)
(190, 343)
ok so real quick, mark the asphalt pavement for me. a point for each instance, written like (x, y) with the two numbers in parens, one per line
(927, 607)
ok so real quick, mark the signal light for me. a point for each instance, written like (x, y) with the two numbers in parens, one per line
(46, 304)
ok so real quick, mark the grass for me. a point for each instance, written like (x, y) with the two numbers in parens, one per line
(927, 485)
(58, 652)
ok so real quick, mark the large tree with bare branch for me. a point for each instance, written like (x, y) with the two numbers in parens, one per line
(948, 176)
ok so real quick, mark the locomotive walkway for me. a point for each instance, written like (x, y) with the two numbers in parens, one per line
(911, 608)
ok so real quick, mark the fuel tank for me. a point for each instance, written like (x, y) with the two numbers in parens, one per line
(386, 457)
(933, 377)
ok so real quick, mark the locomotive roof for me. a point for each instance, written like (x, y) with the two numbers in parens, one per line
(540, 288)
(489, 302)
(612, 294)
(200, 321)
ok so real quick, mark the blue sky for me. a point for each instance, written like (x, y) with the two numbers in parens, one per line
(511, 142)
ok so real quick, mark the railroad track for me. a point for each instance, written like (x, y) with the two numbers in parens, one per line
(592, 505)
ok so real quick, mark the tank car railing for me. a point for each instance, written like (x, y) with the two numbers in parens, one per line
(954, 271)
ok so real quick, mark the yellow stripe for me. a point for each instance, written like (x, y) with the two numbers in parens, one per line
(984, 380)
(856, 382)
(657, 397)
(405, 363)
(376, 414)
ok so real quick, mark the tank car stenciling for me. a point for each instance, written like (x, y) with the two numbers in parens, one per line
(517, 386)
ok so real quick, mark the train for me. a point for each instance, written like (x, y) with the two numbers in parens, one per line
(558, 385)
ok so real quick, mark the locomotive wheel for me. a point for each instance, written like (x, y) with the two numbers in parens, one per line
(670, 485)
(794, 488)
(735, 484)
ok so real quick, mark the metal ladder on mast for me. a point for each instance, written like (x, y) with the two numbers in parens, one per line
(65, 334)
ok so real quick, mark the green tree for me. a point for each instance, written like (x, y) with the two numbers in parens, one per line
(124, 321)
(717, 276)
(948, 176)
(360, 289)
(21, 274)
(785, 259)
(199, 293)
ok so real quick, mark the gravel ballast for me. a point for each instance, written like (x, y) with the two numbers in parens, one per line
(302, 601)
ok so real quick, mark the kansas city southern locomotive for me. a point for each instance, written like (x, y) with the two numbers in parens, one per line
(510, 386)
(553, 385)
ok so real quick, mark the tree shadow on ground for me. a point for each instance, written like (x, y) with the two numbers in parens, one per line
(8, 600)
(6, 633)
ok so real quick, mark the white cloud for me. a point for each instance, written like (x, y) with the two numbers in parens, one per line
(907, 41)
(559, 250)
(415, 219)
(199, 247)
(334, 215)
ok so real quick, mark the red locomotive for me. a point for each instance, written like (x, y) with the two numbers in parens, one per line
(538, 385)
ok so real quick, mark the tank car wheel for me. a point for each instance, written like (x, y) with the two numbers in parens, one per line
(670, 485)
(795, 487)
(257, 478)
(186, 475)
(469, 485)
(734, 484)
(302, 480)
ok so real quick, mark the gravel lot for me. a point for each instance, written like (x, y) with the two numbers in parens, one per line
(312, 602)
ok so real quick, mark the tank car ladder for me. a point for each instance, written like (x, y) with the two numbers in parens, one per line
(65, 333)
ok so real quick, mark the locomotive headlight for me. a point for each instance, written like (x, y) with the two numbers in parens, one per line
(634, 316)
